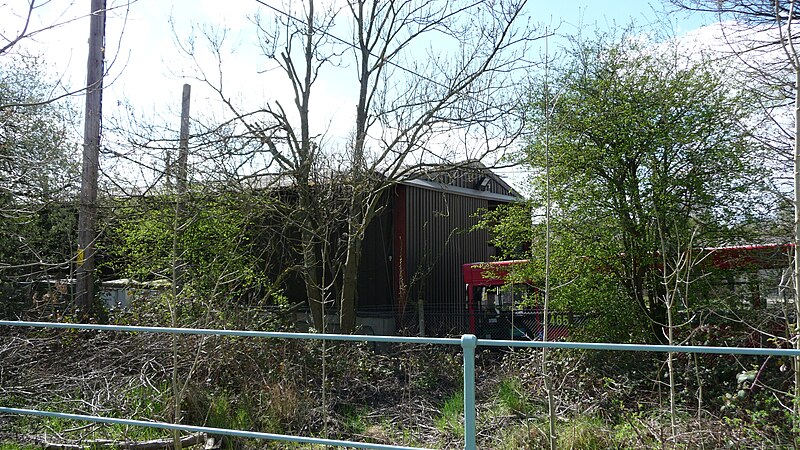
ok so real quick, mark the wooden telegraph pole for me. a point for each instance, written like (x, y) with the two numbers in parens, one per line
(87, 216)
(183, 149)
(180, 194)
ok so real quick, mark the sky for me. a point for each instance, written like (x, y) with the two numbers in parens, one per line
(147, 69)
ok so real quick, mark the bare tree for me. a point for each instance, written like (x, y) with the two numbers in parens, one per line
(762, 36)
(436, 83)
(27, 20)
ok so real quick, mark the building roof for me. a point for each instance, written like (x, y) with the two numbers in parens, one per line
(436, 186)
(470, 178)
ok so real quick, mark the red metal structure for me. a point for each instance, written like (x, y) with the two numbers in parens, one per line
(492, 314)
(494, 305)
(483, 275)
(770, 256)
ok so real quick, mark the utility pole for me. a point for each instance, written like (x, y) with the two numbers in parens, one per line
(183, 150)
(180, 194)
(87, 216)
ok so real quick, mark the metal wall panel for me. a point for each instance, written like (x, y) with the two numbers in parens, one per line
(440, 240)
(375, 269)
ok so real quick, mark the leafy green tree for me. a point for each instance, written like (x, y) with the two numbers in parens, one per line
(38, 175)
(579, 277)
(641, 150)
(217, 250)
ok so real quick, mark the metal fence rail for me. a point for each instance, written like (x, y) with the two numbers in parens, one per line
(467, 342)
(208, 430)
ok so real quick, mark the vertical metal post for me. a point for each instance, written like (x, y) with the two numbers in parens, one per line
(468, 344)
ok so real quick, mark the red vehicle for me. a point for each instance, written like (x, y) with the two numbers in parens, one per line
(498, 309)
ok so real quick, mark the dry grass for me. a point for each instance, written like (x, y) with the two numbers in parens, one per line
(402, 394)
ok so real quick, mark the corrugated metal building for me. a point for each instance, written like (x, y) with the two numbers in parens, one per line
(410, 275)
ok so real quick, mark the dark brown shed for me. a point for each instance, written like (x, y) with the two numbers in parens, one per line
(410, 276)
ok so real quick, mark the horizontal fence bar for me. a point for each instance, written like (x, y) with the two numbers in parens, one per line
(643, 347)
(417, 340)
(208, 430)
(237, 333)
(468, 377)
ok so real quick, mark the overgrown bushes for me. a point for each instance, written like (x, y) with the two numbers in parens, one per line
(402, 394)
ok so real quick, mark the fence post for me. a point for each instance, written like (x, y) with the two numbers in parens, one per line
(468, 344)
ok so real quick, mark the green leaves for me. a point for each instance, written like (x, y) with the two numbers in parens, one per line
(213, 244)
(639, 150)
(38, 151)
(38, 175)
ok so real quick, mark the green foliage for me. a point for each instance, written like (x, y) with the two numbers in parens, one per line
(584, 432)
(579, 272)
(580, 433)
(638, 149)
(761, 414)
(450, 415)
(149, 402)
(512, 396)
(355, 421)
(39, 175)
(223, 413)
(510, 228)
(37, 148)
(213, 242)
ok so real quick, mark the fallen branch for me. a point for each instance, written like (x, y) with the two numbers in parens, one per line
(156, 444)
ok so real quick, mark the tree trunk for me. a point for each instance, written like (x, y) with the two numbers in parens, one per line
(796, 408)
(349, 296)
(311, 277)
(362, 210)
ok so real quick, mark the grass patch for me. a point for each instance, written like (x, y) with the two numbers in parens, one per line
(586, 433)
(148, 401)
(13, 446)
(223, 413)
(512, 396)
(71, 429)
(354, 419)
(450, 415)
(581, 433)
